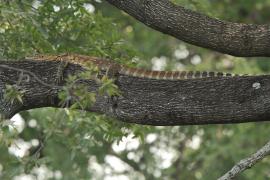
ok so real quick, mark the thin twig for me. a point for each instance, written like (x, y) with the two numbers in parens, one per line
(247, 162)
(33, 75)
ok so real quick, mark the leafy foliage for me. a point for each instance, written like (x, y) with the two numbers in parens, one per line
(12, 93)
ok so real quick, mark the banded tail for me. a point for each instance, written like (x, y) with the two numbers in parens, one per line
(173, 75)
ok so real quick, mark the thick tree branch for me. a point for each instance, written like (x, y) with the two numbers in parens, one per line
(226, 37)
(148, 101)
(247, 163)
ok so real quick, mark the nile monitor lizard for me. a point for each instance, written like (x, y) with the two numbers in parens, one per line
(109, 65)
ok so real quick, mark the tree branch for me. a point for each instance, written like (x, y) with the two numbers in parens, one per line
(226, 37)
(147, 101)
(247, 162)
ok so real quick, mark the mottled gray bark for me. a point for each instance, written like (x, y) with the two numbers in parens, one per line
(226, 37)
(247, 163)
(148, 101)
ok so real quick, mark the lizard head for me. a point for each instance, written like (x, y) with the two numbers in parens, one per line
(48, 57)
(42, 57)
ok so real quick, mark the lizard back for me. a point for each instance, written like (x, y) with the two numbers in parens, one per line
(109, 65)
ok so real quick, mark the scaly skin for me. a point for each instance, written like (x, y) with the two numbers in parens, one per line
(109, 65)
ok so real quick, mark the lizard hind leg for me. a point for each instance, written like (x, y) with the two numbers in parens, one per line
(112, 71)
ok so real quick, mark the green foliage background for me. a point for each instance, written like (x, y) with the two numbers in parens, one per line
(71, 140)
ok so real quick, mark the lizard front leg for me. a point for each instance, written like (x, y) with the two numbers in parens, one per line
(60, 69)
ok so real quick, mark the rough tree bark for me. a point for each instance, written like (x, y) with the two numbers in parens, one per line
(247, 163)
(148, 101)
(226, 37)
